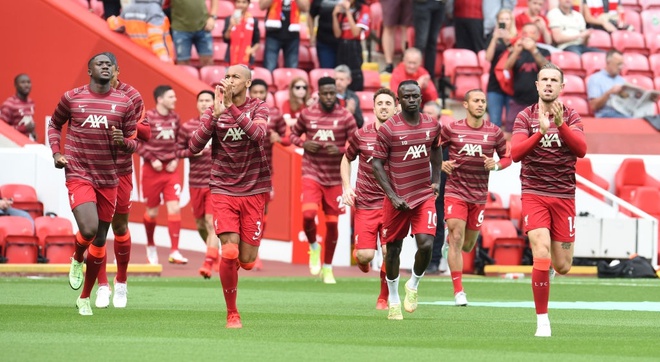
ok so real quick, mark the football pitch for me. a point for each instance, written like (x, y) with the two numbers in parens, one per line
(301, 319)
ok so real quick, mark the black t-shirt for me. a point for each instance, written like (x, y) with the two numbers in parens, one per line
(493, 84)
(525, 72)
(323, 9)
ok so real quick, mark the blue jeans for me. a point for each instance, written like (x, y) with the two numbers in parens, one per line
(183, 42)
(581, 49)
(496, 102)
(327, 54)
(272, 51)
(17, 212)
(609, 112)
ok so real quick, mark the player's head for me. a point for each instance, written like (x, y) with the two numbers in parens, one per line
(432, 109)
(115, 71)
(384, 104)
(327, 93)
(259, 89)
(409, 94)
(100, 68)
(475, 103)
(342, 78)
(23, 84)
(240, 78)
(204, 100)
(614, 62)
(165, 97)
(549, 82)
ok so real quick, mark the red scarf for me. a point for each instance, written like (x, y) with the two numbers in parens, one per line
(275, 15)
(241, 40)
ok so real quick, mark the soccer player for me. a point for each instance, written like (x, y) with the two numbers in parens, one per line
(18, 110)
(198, 182)
(548, 137)
(92, 112)
(472, 142)
(326, 126)
(159, 176)
(240, 177)
(367, 197)
(406, 143)
(122, 242)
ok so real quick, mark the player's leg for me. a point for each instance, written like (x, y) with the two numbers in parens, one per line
(331, 208)
(202, 210)
(395, 228)
(381, 303)
(251, 224)
(152, 187)
(423, 222)
(562, 233)
(171, 194)
(81, 197)
(122, 246)
(311, 197)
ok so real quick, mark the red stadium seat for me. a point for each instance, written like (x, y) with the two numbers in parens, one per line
(265, 75)
(650, 23)
(574, 86)
(569, 62)
(653, 43)
(190, 70)
(305, 60)
(500, 237)
(592, 62)
(24, 198)
(254, 9)
(225, 9)
(465, 83)
(316, 74)
(578, 103)
(366, 100)
(56, 238)
(282, 77)
(212, 74)
(648, 200)
(281, 96)
(633, 18)
(600, 39)
(371, 80)
(17, 240)
(635, 63)
(654, 64)
(315, 57)
(584, 169)
(639, 80)
(448, 36)
(485, 64)
(495, 208)
(630, 176)
(649, 4)
(463, 69)
(484, 81)
(270, 100)
(631, 5)
(629, 41)
(219, 26)
(508, 251)
(369, 117)
(219, 52)
(515, 210)
(656, 81)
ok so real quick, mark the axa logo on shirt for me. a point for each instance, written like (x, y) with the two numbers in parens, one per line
(548, 139)
(324, 135)
(471, 150)
(165, 134)
(95, 121)
(236, 134)
(415, 151)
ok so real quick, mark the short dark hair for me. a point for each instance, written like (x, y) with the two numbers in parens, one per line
(326, 80)
(20, 75)
(408, 82)
(206, 91)
(611, 52)
(160, 90)
(258, 81)
(111, 56)
(468, 93)
(385, 91)
(549, 65)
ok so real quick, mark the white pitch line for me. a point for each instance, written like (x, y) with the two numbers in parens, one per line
(623, 306)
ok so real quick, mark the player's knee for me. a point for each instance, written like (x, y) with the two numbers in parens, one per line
(563, 268)
(88, 232)
(309, 215)
(425, 244)
(365, 255)
(201, 224)
(119, 228)
(230, 251)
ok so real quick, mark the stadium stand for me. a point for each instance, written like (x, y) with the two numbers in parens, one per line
(24, 197)
(282, 77)
(316, 74)
(630, 176)
(56, 238)
(17, 240)
(583, 168)
(629, 41)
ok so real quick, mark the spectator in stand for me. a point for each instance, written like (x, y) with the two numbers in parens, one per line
(468, 19)
(18, 110)
(569, 30)
(490, 11)
(111, 8)
(241, 30)
(346, 97)
(604, 84)
(192, 23)
(349, 20)
(323, 38)
(427, 16)
(282, 31)
(524, 63)
(604, 15)
(411, 69)
(499, 42)
(534, 14)
(298, 99)
(396, 13)
(7, 210)
(145, 23)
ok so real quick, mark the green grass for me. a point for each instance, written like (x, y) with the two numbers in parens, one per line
(300, 319)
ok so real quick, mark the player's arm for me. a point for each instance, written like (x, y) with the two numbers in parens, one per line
(505, 157)
(204, 132)
(521, 142)
(351, 127)
(436, 165)
(143, 128)
(182, 140)
(381, 151)
(345, 169)
(280, 129)
(60, 116)
(256, 126)
(297, 131)
(572, 135)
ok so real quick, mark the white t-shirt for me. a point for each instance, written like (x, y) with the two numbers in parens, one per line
(570, 25)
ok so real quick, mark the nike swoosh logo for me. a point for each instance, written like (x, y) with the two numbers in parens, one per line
(126, 253)
(402, 137)
(571, 235)
(98, 263)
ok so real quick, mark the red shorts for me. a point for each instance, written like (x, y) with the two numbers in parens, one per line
(200, 202)
(553, 213)
(243, 215)
(368, 225)
(328, 196)
(124, 194)
(81, 191)
(472, 214)
(155, 183)
(420, 220)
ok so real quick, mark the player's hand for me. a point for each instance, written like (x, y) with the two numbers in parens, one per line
(60, 160)
(348, 197)
(436, 189)
(157, 165)
(399, 203)
(311, 146)
(544, 118)
(218, 105)
(118, 137)
(198, 153)
(332, 149)
(489, 163)
(448, 166)
(227, 100)
(274, 137)
(557, 112)
(171, 166)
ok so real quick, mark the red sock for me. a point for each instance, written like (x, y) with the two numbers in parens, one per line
(174, 227)
(211, 256)
(541, 284)
(457, 279)
(103, 275)
(384, 292)
(95, 258)
(81, 246)
(123, 255)
(228, 271)
(331, 236)
(150, 227)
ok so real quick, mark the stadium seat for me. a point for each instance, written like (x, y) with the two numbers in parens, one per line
(649, 4)
(463, 69)
(254, 9)
(584, 169)
(190, 70)
(366, 100)
(371, 80)
(631, 5)
(639, 80)
(653, 43)
(485, 64)
(656, 81)
(650, 23)
(56, 238)
(635, 63)
(24, 198)
(219, 52)
(225, 9)
(369, 117)
(502, 234)
(448, 36)
(648, 200)
(580, 104)
(630, 176)
(282, 77)
(592, 62)
(569, 62)
(508, 251)
(281, 96)
(315, 57)
(654, 64)
(17, 240)
(633, 18)
(629, 41)
(265, 75)
(316, 74)
(515, 210)
(270, 100)
(212, 74)
(600, 39)
(495, 208)
(574, 86)
(216, 32)
(262, 33)
(305, 60)
(484, 81)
